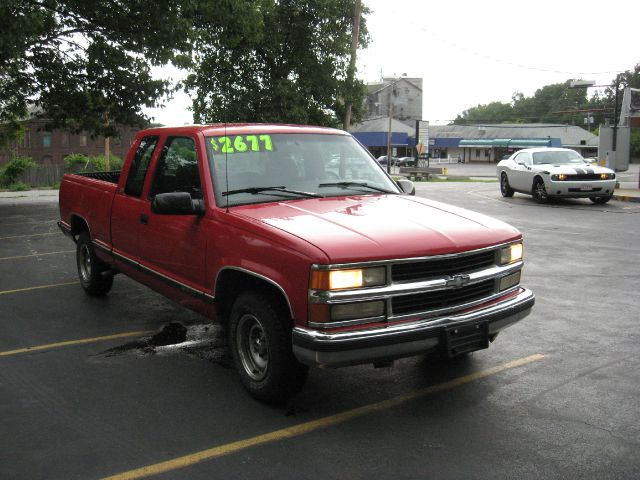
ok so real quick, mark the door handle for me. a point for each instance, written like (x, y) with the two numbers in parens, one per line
(144, 218)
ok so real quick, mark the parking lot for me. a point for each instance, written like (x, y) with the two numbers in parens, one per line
(88, 390)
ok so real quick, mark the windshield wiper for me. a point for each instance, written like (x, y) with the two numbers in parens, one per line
(256, 190)
(355, 184)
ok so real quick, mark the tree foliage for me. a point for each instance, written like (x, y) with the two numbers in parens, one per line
(556, 103)
(86, 65)
(280, 61)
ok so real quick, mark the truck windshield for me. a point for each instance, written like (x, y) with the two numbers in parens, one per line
(257, 168)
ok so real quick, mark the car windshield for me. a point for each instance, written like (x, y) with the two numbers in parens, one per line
(257, 168)
(557, 157)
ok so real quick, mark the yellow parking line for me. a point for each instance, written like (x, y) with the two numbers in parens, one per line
(67, 343)
(39, 287)
(297, 430)
(37, 255)
(30, 235)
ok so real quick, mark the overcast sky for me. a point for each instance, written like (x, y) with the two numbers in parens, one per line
(471, 52)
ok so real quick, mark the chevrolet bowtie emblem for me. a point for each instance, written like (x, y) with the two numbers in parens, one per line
(457, 281)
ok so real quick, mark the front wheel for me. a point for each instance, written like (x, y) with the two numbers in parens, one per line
(600, 200)
(505, 188)
(94, 275)
(540, 192)
(260, 343)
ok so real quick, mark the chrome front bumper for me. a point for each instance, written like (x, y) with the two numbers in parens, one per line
(327, 349)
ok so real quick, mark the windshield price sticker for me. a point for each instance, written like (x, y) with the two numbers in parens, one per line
(241, 144)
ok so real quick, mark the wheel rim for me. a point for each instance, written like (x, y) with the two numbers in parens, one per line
(503, 184)
(541, 192)
(85, 263)
(253, 347)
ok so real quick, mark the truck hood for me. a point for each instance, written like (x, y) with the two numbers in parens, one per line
(380, 227)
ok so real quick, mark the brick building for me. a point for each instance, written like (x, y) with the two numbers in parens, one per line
(51, 147)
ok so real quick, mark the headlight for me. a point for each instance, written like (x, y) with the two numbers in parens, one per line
(511, 253)
(607, 176)
(341, 279)
(559, 177)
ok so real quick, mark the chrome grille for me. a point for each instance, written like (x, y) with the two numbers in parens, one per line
(439, 299)
(441, 267)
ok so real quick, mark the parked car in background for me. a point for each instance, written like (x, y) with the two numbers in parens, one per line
(383, 160)
(404, 161)
(545, 173)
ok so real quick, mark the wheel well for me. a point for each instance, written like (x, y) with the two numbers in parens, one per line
(78, 224)
(537, 179)
(231, 283)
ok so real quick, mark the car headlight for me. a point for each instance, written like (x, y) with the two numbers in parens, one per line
(559, 177)
(341, 279)
(511, 253)
(607, 176)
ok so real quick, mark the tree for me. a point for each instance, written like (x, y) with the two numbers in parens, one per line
(87, 65)
(280, 61)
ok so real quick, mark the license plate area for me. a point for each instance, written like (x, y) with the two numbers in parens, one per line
(586, 188)
(467, 338)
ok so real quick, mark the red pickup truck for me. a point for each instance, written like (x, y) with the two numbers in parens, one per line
(300, 243)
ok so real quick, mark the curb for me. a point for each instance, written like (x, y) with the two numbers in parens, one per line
(626, 198)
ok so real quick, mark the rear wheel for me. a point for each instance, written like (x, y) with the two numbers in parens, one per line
(505, 188)
(260, 343)
(539, 191)
(95, 277)
(600, 200)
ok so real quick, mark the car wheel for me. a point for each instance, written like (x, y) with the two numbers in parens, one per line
(540, 192)
(95, 277)
(600, 200)
(260, 343)
(505, 188)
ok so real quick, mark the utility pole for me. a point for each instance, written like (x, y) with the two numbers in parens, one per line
(107, 145)
(615, 116)
(389, 139)
(355, 35)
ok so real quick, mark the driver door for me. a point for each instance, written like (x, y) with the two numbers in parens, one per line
(520, 177)
(175, 245)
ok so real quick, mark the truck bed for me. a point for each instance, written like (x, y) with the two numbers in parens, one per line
(111, 177)
(89, 196)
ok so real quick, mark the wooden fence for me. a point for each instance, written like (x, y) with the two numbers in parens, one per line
(43, 175)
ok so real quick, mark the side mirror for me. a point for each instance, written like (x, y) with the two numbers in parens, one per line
(176, 203)
(407, 186)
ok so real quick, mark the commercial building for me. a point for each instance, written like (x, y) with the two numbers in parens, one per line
(475, 143)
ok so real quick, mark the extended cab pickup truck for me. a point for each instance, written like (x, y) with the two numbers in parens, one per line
(300, 243)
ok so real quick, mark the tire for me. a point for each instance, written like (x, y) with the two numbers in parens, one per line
(94, 275)
(260, 344)
(539, 192)
(505, 188)
(600, 200)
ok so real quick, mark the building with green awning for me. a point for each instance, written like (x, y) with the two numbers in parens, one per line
(490, 143)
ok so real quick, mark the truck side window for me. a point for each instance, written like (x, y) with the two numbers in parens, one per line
(139, 166)
(177, 169)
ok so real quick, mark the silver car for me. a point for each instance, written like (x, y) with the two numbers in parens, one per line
(555, 172)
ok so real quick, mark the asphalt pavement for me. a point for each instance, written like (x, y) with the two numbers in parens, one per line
(86, 392)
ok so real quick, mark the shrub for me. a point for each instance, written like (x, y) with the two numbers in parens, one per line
(14, 168)
(78, 162)
(19, 187)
